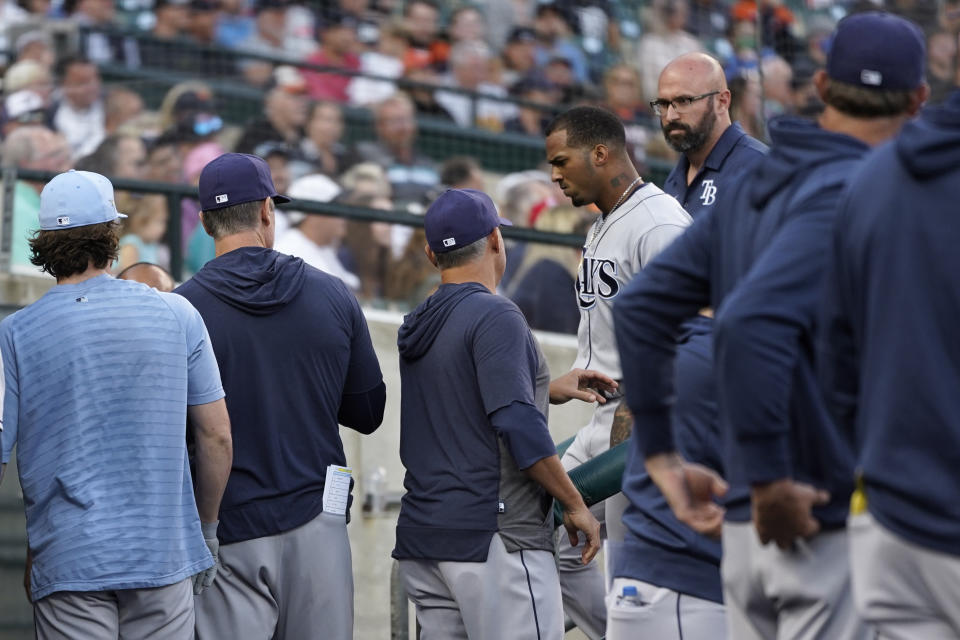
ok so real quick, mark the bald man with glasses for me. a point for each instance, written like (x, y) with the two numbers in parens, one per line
(693, 104)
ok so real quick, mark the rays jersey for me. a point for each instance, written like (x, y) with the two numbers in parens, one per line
(616, 249)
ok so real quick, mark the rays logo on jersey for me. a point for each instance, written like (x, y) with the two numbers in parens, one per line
(596, 277)
(709, 194)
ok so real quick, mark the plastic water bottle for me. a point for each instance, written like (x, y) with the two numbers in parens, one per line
(629, 597)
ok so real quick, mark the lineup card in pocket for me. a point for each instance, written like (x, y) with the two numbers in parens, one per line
(336, 490)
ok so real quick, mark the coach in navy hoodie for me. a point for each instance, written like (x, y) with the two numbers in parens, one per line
(475, 532)
(296, 360)
(757, 258)
(891, 368)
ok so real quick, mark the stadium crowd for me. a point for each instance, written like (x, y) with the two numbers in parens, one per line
(495, 66)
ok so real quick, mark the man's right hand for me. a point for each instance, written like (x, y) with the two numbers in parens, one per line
(690, 490)
(582, 520)
(782, 511)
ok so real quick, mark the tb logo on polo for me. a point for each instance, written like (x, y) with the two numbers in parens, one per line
(597, 277)
(709, 194)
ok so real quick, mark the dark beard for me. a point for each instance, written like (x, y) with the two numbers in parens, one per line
(693, 138)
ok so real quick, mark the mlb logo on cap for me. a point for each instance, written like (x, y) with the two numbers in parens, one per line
(877, 51)
(235, 178)
(77, 199)
(460, 217)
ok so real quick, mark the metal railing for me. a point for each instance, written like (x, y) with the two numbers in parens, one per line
(175, 193)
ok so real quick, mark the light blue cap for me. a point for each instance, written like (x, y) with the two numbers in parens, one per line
(77, 199)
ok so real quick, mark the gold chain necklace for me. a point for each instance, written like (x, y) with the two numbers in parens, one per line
(603, 219)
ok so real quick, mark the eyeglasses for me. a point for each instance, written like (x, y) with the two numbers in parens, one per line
(679, 104)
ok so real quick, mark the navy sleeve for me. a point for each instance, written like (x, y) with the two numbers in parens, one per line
(523, 429)
(505, 359)
(364, 394)
(363, 411)
(647, 320)
(363, 372)
(838, 370)
(759, 333)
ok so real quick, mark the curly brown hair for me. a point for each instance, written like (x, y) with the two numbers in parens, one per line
(66, 252)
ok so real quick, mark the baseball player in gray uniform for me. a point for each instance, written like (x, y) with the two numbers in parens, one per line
(586, 149)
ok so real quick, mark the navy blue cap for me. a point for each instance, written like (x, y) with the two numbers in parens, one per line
(235, 178)
(460, 217)
(877, 51)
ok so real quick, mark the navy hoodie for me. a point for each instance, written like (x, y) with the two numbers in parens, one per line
(658, 548)
(891, 364)
(757, 259)
(295, 356)
(468, 371)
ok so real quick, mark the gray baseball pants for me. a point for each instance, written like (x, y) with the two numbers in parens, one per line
(511, 595)
(802, 594)
(294, 585)
(903, 591)
(160, 613)
(665, 615)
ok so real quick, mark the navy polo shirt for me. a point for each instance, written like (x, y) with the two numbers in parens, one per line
(732, 153)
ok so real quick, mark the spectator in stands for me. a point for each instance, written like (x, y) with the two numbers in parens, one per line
(411, 174)
(80, 115)
(746, 104)
(553, 26)
(805, 100)
(385, 61)
(320, 150)
(621, 91)
(368, 21)
(143, 233)
(503, 16)
(368, 244)
(234, 24)
(533, 120)
(203, 21)
(35, 45)
(171, 20)
(518, 58)
(522, 197)
(31, 147)
(270, 38)
(118, 156)
(423, 94)
(163, 161)
(285, 113)
(10, 14)
(151, 275)
(542, 283)
(199, 244)
(470, 69)
(777, 75)
(278, 160)
(421, 18)
(942, 65)
(29, 75)
(366, 178)
(709, 20)
(195, 120)
(101, 44)
(121, 106)
(316, 238)
(776, 21)
(466, 24)
(462, 171)
(664, 41)
(338, 49)
(20, 109)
